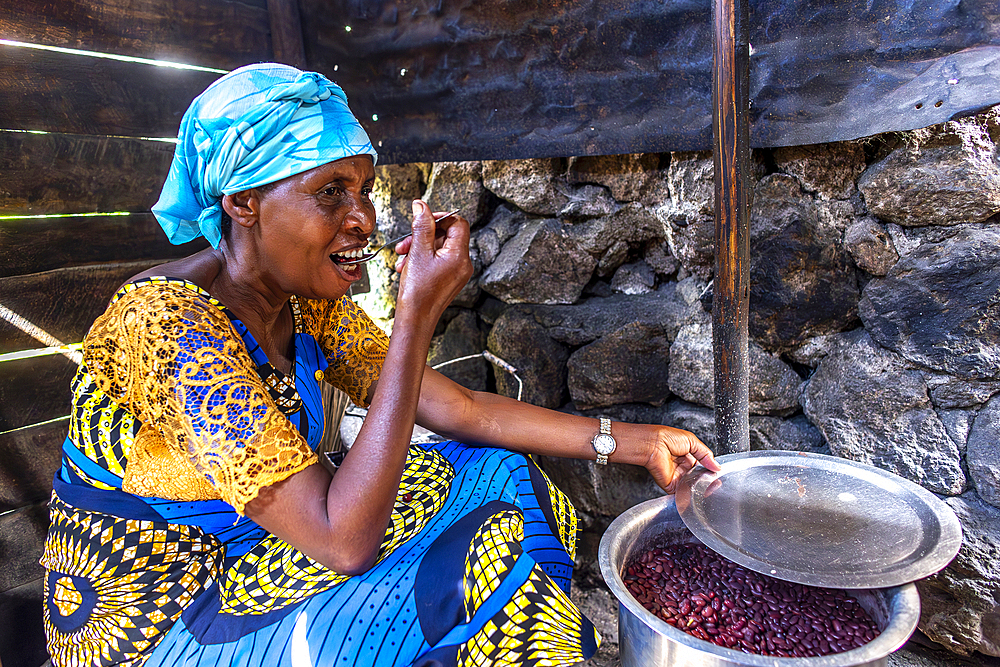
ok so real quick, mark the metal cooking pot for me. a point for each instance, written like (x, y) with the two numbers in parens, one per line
(646, 641)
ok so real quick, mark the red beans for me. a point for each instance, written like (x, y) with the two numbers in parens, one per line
(695, 590)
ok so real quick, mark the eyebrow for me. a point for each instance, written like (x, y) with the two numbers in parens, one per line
(342, 180)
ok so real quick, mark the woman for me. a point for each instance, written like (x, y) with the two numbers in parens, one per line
(191, 524)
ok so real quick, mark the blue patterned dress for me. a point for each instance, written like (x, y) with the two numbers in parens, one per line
(178, 419)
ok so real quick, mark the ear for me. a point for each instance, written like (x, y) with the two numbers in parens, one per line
(243, 207)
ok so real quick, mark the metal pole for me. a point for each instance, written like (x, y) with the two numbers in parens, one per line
(731, 294)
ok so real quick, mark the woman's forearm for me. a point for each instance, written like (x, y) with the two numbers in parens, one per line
(341, 521)
(488, 419)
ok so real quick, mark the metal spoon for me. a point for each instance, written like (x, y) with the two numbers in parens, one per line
(371, 256)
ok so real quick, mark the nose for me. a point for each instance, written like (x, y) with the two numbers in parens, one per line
(361, 218)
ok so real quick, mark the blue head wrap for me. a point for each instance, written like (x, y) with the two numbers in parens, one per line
(254, 126)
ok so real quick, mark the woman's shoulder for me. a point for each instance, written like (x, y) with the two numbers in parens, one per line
(199, 269)
(157, 299)
(156, 313)
(184, 280)
(163, 290)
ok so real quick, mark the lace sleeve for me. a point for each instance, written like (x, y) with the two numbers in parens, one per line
(174, 360)
(354, 345)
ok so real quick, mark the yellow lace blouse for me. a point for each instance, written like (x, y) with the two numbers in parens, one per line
(166, 352)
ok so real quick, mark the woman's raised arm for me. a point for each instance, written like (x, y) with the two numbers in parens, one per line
(341, 521)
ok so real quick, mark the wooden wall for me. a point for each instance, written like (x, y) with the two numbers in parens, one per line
(96, 153)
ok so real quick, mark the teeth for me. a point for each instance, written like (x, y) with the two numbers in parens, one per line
(357, 253)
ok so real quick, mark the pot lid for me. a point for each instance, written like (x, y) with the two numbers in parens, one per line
(819, 520)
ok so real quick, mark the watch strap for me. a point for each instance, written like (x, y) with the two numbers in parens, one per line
(605, 429)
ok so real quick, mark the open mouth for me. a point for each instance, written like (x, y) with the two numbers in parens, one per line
(349, 256)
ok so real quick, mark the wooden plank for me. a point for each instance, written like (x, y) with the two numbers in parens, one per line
(28, 460)
(731, 150)
(63, 303)
(212, 33)
(34, 390)
(22, 539)
(286, 32)
(64, 173)
(57, 92)
(22, 637)
(35, 245)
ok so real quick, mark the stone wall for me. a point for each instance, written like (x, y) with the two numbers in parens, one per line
(874, 325)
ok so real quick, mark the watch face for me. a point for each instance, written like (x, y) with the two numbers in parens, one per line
(604, 444)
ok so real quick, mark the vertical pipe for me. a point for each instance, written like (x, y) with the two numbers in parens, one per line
(286, 32)
(731, 294)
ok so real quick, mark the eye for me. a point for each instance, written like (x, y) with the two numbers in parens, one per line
(332, 191)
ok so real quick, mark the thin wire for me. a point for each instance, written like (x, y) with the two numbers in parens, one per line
(39, 352)
(455, 361)
(169, 140)
(494, 359)
(38, 333)
(49, 421)
(42, 216)
(112, 56)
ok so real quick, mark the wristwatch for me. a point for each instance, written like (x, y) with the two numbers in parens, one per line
(604, 443)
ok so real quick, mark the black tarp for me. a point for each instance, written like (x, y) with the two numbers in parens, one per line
(494, 79)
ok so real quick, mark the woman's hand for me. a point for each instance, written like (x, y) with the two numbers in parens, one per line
(435, 265)
(674, 453)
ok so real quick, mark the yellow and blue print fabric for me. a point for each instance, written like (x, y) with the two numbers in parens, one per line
(484, 581)
(474, 568)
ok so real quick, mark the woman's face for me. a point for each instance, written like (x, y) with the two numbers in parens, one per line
(306, 220)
